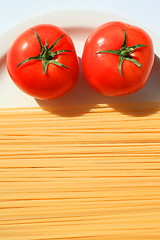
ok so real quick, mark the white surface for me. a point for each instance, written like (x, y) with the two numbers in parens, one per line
(78, 24)
(144, 12)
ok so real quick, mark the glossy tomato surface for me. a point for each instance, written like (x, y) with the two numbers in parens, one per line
(29, 76)
(101, 69)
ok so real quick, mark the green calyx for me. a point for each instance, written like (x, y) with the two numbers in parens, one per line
(47, 54)
(124, 53)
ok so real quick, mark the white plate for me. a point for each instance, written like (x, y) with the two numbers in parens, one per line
(78, 24)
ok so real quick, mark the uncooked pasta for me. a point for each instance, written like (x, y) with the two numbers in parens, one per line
(72, 174)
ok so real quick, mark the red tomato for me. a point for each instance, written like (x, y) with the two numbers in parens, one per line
(117, 58)
(42, 62)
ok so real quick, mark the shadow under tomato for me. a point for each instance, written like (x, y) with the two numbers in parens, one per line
(82, 98)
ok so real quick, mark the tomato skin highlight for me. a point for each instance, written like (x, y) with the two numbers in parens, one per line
(101, 70)
(29, 77)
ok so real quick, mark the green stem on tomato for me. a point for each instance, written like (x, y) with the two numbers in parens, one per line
(46, 54)
(124, 53)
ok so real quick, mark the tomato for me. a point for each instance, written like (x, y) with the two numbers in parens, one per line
(117, 58)
(42, 62)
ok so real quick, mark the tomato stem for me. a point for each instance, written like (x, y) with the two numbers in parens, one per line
(124, 53)
(46, 54)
